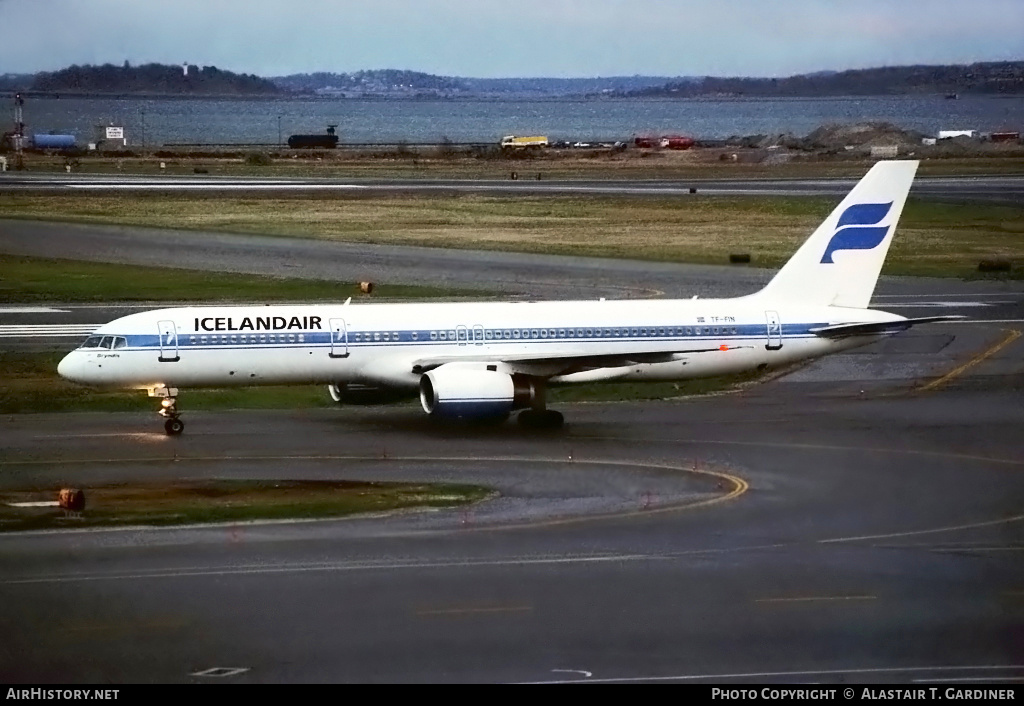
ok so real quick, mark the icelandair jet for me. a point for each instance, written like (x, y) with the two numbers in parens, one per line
(486, 360)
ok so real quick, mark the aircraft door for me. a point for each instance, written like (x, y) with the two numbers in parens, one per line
(339, 339)
(774, 331)
(168, 342)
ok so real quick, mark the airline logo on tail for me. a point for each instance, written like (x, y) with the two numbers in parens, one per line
(857, 229)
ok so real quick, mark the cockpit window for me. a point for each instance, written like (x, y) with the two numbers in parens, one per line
(92, 342)
(107, 342)
(119, 342)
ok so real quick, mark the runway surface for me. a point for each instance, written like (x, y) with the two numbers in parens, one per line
(1007, 189)
(857, 520)
(876, 538)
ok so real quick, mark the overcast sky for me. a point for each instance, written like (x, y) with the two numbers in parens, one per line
(511, 38)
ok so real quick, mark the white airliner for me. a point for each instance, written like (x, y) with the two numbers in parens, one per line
(486, 360)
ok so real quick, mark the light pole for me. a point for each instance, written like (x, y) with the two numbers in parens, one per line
(278, 130)
(143, 131)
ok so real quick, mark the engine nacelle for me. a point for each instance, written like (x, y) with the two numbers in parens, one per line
(464, 393)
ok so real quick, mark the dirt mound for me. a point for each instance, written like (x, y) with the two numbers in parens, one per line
(835, 136)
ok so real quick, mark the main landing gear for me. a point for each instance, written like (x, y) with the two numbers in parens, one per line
(169, 409)
(540, 419)
(538, 416)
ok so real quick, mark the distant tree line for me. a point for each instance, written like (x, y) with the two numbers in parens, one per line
(370, 81)
(983, 78)
(152, 78)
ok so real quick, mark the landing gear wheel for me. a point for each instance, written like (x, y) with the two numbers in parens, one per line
(174, 426)
(540, 419)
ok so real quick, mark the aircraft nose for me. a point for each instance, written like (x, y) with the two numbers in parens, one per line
(70, 368)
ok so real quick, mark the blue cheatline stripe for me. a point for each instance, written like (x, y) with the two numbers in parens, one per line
(405, 338)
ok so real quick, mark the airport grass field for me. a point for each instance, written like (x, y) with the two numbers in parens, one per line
(31, 279)
(935, 239)
(228, 501)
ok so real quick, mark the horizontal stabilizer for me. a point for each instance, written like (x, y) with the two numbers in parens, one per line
(877, 327)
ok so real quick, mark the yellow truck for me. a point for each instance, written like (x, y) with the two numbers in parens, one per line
(513, 142)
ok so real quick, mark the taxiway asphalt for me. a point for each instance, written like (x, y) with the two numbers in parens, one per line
(1007, 189)
(876, 538)
(873, 531)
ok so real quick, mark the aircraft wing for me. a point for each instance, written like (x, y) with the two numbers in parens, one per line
(877, 327)
(532, 364)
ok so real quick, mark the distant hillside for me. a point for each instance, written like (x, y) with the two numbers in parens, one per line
(152, 78)
(392, 82)
(377, 82)
(996, 77)
(568, 86)
(15, 82)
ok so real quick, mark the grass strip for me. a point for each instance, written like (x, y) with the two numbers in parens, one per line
(210, 501)
(935, 239)
(32, 279)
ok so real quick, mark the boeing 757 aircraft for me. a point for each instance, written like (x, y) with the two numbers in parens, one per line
(486, 360)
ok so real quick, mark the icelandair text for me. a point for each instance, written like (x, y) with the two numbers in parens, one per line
(258, 323)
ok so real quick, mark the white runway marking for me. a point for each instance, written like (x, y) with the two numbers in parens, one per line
(220, 672)
(808, 673)
(32, 310)
(965, 304)
(47, 330)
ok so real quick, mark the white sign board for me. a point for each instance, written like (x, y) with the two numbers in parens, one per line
(115, 133)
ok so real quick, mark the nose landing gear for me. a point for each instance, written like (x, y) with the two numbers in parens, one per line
(169, 409)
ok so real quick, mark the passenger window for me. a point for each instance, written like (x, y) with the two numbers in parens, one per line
(387, 336)
(533, 333)
(561, 333)
(579, 333)
(488, 334)
(507, 334)
(444, 336)
(263, 338)
(234, 339)
(273, 338)
(515, 333)
(734, 330)
(376, 335)
(635, 331)
(394, 335)
(433, 335)
(191, 341)
(202, 340)
(543, 333)
(302, 338)
(291, 338)
(661, 332)
(707, 330)
(415, 335)
(689, 331)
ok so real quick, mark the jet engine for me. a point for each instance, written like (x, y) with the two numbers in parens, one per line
(462, 393)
